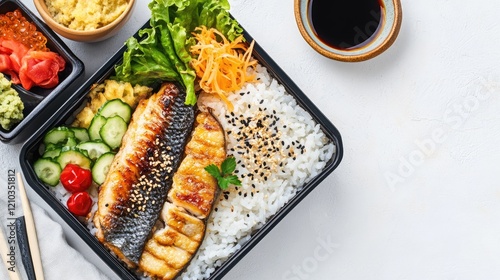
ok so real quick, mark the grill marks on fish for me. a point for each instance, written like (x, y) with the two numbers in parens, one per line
(132, 196)
(190, 201)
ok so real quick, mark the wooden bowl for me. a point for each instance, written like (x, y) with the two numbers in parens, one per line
(383, 38)
(95, 35)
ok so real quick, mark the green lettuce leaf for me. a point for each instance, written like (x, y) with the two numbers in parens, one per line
(162, 53)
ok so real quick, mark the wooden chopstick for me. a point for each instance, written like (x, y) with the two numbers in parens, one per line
(4, 250)
(31, 230)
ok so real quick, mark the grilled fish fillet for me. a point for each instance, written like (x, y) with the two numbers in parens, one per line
(135, 189)
(190, 201)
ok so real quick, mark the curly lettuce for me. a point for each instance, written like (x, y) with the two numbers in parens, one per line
(162, 52)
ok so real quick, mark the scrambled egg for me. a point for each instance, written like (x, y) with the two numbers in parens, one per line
(85, 15)
(11, 105)
(109, 90)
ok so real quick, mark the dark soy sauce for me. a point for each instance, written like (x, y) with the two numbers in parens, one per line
(345, 24)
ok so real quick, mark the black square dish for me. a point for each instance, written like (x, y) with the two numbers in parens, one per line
(66, 113)
(39, 103)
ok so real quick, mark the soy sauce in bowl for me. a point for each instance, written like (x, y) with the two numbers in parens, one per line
(345, 24)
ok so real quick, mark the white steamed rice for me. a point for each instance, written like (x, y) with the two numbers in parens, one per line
(242, 210)
(296, 150)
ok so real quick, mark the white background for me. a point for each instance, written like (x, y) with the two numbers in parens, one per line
(417, 194)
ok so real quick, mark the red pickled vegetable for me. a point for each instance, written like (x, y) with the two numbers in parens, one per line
(76, 179)
(79, 203)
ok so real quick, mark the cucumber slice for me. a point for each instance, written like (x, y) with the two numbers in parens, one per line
(58, 135)
(116, 107)
(47, 171)
(67, 148)
(95, 126)
(112, 131)
(53, 153)
(94, 148)
(70, 142)
(73, 156)
(81, 134)
(101, 167)
(52, 146)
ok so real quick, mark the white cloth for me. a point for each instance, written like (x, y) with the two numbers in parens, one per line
(59, 260)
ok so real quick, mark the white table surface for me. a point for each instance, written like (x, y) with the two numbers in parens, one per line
(417, 194)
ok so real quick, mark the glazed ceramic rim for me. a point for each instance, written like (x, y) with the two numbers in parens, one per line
(386, 36)
(82, 35)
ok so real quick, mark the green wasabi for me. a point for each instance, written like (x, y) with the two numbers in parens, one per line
(11, 105)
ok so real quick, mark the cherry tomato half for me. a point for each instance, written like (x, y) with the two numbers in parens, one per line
(79, 203)
(76, 179)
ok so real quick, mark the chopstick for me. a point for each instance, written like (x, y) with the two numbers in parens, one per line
(31, 230)
(4, 250)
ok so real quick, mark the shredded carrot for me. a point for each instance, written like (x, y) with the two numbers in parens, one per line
(221, 65)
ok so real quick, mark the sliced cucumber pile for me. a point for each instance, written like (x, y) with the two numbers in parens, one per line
(92, 149)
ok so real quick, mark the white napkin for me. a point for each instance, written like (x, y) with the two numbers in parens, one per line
(60, 261)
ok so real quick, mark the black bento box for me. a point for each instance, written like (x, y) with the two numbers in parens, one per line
(39, 103)
(65, 114)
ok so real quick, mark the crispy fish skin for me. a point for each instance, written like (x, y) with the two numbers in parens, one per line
(135, 189)
(190, 201)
